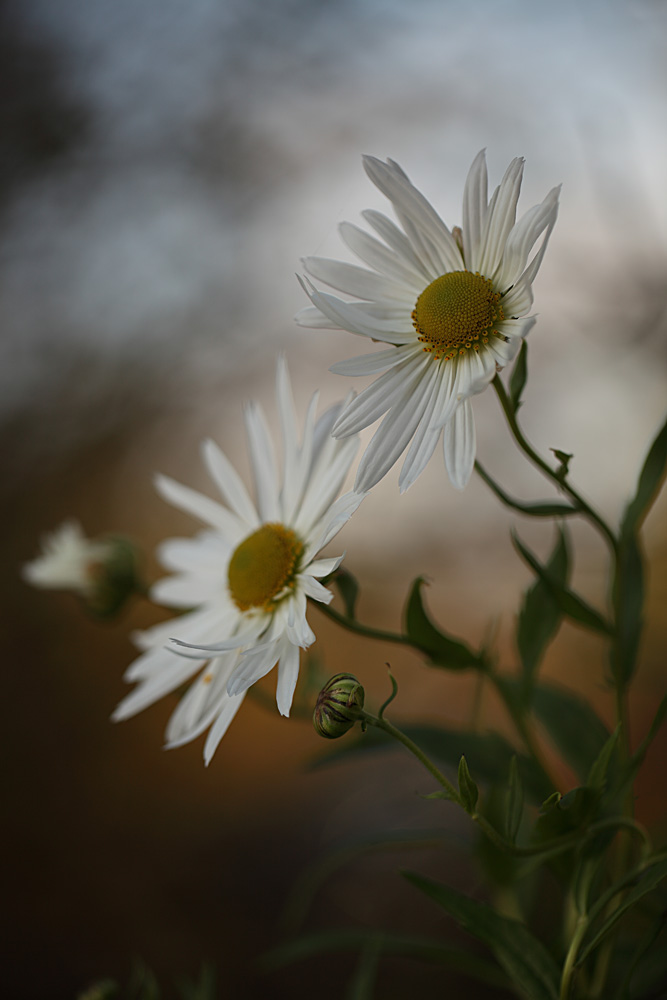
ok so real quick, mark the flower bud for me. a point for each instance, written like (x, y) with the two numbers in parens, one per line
(338, 706)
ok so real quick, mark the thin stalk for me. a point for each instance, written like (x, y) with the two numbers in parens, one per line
(571, 957)
(544, 467)
(352, 625)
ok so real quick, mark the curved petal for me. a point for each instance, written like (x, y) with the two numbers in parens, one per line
(357, 281)
(475, 204)
(288, 674)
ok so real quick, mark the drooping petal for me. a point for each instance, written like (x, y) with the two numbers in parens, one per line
(226, 713)
(373, 364)
(381, 395)
(288, 674)
(460, 446)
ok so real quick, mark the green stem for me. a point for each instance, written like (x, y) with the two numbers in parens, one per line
(544, 467)
(571, 957)
(382, 723)
(352, 625)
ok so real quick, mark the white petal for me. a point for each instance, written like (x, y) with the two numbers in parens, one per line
(288, 673)
(392, 437)
(288, 421)
(186, 590)
(381, 395)
(254, 664)
(298, 630)
(500, 218)
(263, 463)
(201, 703)
(357, 281)
(398, 241)
(440, 403)
(459, 445)
(347, 316)
(324, 567)
(475, 203)
(242, 638)
(312, 588)
(381, 258)
(229, 483)
(521, 239)
(227, 712)
(424, 228)
(200, 506)
(338, 514)
(373, 364)
(206, 553)
(156, 687)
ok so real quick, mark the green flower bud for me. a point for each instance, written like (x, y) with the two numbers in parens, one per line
(338, 706)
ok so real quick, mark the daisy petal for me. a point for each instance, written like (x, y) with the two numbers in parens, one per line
(475, 205)
(228, 481)
(459, 445)
(226, 713)
(356, 281)
(288, 674)
(198, 505)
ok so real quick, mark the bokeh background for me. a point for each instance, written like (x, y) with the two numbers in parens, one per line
(164, 167)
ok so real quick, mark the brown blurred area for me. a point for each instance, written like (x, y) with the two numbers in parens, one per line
(162, 170)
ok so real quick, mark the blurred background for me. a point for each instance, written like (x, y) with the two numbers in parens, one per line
(164, 166)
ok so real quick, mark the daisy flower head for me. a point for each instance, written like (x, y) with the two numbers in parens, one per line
(68, 561)
(246, 578)
(453, 306)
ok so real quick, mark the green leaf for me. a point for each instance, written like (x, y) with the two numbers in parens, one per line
(513, 802)
(648, 880)
(570, 603)
(441, 649)
(468, 790)
(597, 776)
(573, 811)
(571, 724)
(564, 458)
(628, 605)
(537, 508)
(348, 588)
(412, 946)
(488, 754)
(526, 961)
(362, 985)
(518, 377)
(650, 480)
(541, 615)
(638, 756)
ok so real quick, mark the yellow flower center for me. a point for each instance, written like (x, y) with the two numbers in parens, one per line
(263, 565)
(455, 313)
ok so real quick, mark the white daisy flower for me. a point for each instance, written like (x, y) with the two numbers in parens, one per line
(69, 561)
(452, 305)
(246, 579)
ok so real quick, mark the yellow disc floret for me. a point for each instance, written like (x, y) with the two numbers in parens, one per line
(455, 313)
(263, 565)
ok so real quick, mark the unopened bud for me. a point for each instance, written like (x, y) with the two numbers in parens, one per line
(338, 706)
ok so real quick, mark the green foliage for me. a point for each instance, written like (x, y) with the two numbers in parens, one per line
(518, 377)
(563, 814)
(513, 802)
(541, 615)
(348, 588)
(362, 984)
(627, 775)
(564, 459)
(571, 723)
(536, 508)
(570, 604)
(468, 790)
(646, 881)
(650, 481)
(488, 754)
(442, 650)
(408, 945)
(528, 965)
(599, 773)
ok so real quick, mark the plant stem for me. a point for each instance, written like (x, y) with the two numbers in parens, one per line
(571, 957)
(382, 723)
(352, 625)
(544, 467)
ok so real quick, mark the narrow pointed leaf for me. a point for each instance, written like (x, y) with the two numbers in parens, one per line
(598, 774)
(441, 649)
(518, 377)
(541, 615)
(535, 508)
(348, 588)
(523, 957)
(412, 946)
(649, 879)
(571, 604)
(575, 730)
(628, 605)
(513, 802)
(650, 480)
(468, 790)
(628, 774)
